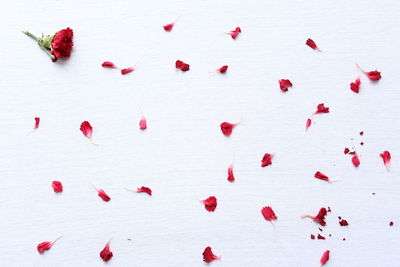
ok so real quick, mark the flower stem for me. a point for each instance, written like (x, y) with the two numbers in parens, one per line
(31, 35)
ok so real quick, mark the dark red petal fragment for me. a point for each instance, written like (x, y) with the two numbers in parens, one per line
(355, 86)
(108, 64)
(321, 109)
(385, 155)
(37, 121)
(227, 128)
(235, 33)
(231, 177)
(168, 27)
(355, 160)
(308, 124)
(144, 189)
(57, 186)
(223, 69)
(268, 214)
(372, 75)
(180, 65)
(312, 44)
(266, 160)
(106, 254)
(127, 70)
(210, 203)
(285, 84)
(208, 255)
(320, 237)
(324, 258)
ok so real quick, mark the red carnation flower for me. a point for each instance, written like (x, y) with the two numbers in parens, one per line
(56, 46)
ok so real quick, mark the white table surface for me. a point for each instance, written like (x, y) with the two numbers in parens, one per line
(182, 155)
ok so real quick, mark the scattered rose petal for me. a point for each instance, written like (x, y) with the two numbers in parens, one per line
(231, 177)
(235, 33)
(144, 189)
(223, 69)
(319, 218)
(87, 130)
(355, 160)
(329, 209)
(143, 123)
(385, 155)
(372, 75)
(168, 27)
(101, 193)
(46, 245)
(210, 203)
(127, 70)
(227, 128)
(346, 150)
(266, 160)
(324, 258)
(108, 64)
(285, 84)
(343, 222)
(320, 237)
(320, 175)
(57, 186)
(391, 223)
(321, 109)
(308, 124)
(312, 44)
(355, 86)
(106, 254)
(180, 65)
(268, 214)
(312, 236)
(37, 121)
(362, 133)
(208, 255)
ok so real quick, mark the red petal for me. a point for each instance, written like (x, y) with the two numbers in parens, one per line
(266, 160)
(343, 222)
(227, 128)
(268, 214)
(320, 217)
(355, 160)
(210, 203)
(324, 258)
(231, 177)
(42, 247)
(57, 186)
(285, 84)
(308, 124)
(106, 254)
(208, 255)
(346, 150)
(320, 175)
(127, 70)
(144, 189)
(320, 236)
(103, 195)
(355, 86)
(86, 129)
(168, 27)
(182, 65)
(312, 44)
(143, 123)
(391, 223)
(108, 64)
(321, 109)
(37, 121)
(374, 75)
(385, 155)
(235, 33)
(312, 236)
(223, 69)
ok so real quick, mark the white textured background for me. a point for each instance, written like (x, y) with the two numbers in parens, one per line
(183, 156)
